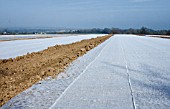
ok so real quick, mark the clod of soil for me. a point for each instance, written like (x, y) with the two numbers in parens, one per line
(22, 72)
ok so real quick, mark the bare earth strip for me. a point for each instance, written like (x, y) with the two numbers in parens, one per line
(161, 36)
(22, 72)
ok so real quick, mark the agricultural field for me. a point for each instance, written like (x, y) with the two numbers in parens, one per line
(12, 49)
(128, 69)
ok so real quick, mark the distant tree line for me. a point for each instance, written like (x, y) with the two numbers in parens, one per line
(140, 31)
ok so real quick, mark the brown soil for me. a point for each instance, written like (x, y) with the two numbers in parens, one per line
(140, 34)
(161, 36)
(22, 72)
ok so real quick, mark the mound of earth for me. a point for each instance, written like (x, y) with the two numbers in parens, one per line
(22, 72)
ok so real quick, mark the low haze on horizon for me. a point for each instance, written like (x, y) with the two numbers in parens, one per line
(153, 14)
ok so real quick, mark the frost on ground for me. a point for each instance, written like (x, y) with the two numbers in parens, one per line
(32, 36)
(20, 73)
(43, 94)
(16, 48)
(130, 73)
(105, 83)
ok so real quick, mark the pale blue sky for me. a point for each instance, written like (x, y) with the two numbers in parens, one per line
(85, 13)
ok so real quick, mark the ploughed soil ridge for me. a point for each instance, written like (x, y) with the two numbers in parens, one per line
(20, 73)
(161, 36)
